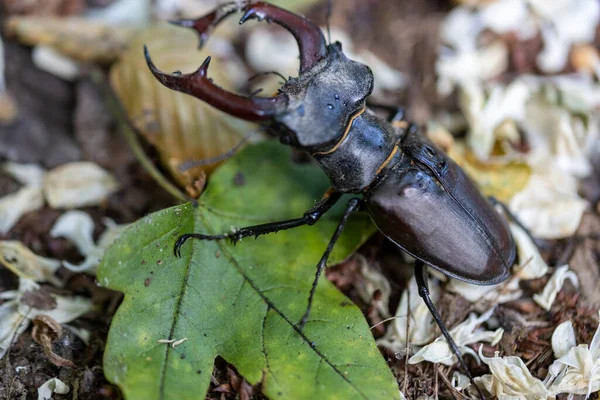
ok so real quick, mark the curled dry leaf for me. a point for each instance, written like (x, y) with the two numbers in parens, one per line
(548, 295)
(17, 257)
(465, 333)
(17, 313)
(45, 331)
(78, 184)
(79, 39)
(421, 325)
(181, 127)
(51, 386)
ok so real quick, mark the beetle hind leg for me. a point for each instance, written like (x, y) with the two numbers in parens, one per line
(353, 205)
(421, 278)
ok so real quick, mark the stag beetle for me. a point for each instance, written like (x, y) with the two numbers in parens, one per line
(418, 197)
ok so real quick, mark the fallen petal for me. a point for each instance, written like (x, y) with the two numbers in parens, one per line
(51, 386)
(548, 295)
(78, 184)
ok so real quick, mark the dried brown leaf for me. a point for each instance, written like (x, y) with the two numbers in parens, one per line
(181, 127)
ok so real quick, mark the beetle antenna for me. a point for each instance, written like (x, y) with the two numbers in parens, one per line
(187, 165)
(258, 75)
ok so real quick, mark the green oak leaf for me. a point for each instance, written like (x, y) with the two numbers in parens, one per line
(240, 302)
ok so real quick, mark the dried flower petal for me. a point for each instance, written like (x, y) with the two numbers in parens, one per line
(78, 184)
(26, 174)
(546, 298)
(23, 262)
(422, 326)
(374, 281)
(51, 386)
(467, 332)
(510, 379)
(13, 206)
(563, 339)
(16, 315)
(78, 227)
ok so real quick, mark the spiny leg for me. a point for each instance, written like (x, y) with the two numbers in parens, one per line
(309, 218)
(422, 284)
(352, 206)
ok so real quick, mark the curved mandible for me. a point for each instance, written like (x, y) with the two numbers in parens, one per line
(310, 39)
(206, 24)
(199, 85)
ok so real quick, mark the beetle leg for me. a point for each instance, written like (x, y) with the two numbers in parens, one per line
(199, 85)
(511, 216)
(353, 205)
(309, 37)
(309, 218)
(421, 278)
(396, 113)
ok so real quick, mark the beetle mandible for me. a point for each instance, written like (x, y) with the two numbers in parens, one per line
(418, 197)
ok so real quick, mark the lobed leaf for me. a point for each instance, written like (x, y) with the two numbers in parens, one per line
(241, 303)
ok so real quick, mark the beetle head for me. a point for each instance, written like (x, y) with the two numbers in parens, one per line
(311, 111)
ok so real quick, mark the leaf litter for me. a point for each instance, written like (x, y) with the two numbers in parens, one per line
(538, 130)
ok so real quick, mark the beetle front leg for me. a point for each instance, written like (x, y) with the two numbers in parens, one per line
(309, 218)
(421, 278)
(353, 204)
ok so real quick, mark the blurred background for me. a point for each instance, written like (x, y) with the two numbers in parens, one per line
(509, 88)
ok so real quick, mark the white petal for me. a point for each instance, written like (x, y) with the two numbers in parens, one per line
(548, 295)
(504, 292)
(460, 381)
(504, 16)
(26, 264)
(374, 281)
(13, 206)
(563, 339)
(78, 228)
(510, 377)
(50, 60)
(463, 334)
(12, 325)
(595, 344)
(549, 205)
(51, 386)
(422, 326)
(532, 265)
(26, 174)
(78, 184)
